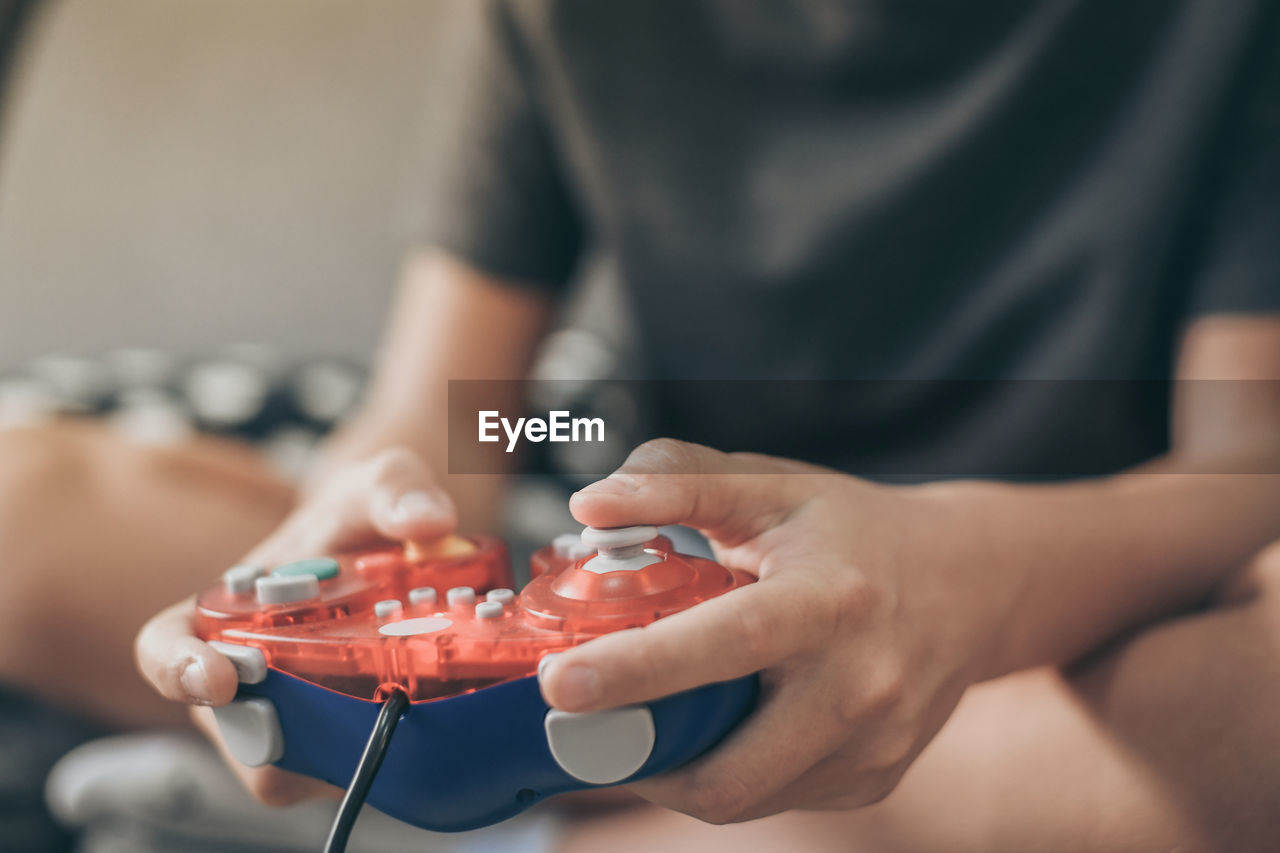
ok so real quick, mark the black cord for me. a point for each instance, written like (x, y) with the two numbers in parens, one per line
(374, 751)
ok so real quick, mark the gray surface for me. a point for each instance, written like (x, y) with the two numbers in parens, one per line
(602, 747)
(153, 793)
(185, 174)
(251, 730)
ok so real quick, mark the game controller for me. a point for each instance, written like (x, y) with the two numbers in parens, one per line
(319, 644)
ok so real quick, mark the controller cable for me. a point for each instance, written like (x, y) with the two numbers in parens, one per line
(374, 751)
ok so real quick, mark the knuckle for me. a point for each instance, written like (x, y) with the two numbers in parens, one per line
(877, 697)
(855, 595)
(889, 688)
(755, 633)
(883, 784)
(271, 787)
(664, 454)
(892, 752)
(389, 461)
(719, 800)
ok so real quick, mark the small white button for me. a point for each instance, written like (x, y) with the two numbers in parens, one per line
(608, 538)
(251, 666)
(502, 596)
(423, 596)
(570, 546)
(238, 580)
(286, 589)
(388, 608)
(461, 596)
(489, 610)
(251, 730)
(602, 747)
(621, 549)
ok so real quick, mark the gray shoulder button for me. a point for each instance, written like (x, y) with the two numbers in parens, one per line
(570, 546)
(602, 747)
(251, 666)
(251, 730)
(286, 589)
(238, 580)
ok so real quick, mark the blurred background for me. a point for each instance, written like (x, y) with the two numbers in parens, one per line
(188, 174)
(204, 205)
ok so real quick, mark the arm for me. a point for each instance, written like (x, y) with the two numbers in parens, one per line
(1083, 562)
(449, 321)
(378, 479)
(878, 605)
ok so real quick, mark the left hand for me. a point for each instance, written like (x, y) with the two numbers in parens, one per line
(865, 628)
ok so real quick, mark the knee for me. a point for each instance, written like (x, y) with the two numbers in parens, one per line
(1257, 584)
(41, 469)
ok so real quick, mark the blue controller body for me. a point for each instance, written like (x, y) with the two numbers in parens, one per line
(478, 758)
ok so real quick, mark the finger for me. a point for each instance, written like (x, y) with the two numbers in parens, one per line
(753, 764)
(270, 785)
(673, 482)
(180, 666)
(390, 496)
(735, 634)
(833, 784)
(406, 503)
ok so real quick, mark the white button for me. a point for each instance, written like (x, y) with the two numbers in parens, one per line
(388, 608)
(571, 547)
(414, 627)
(423, 595)
(238, 580)
(607, 538)
(502, 596)
(461, 595)
(603, 747)
(286, 589)
(251, 730)
(489, 610)
(251, 666)
(621, 549)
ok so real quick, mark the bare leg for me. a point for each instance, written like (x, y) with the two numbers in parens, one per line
(96, 535)
(1169, 741)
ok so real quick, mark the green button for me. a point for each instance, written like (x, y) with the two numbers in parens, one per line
(322, 568)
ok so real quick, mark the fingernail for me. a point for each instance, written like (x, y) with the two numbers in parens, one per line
(542, 664)
(614, 484)
(414, 506)
(196, 682)
(580, 687)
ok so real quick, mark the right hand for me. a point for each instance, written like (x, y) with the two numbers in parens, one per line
(392, 496)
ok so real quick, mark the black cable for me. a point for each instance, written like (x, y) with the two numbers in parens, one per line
(374, 751)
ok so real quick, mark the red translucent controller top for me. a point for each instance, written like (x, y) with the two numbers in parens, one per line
(442, 620)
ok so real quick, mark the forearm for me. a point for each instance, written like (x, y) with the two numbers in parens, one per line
(1074, 565)
(449, 322)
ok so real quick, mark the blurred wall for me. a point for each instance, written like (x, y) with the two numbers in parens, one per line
(185, 173)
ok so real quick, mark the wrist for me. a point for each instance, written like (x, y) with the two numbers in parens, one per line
(954, 545)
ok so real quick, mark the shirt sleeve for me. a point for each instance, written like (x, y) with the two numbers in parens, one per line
(497, 194)
(1239, 269)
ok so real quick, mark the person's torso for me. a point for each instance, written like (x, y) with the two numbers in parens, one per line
(912, 191)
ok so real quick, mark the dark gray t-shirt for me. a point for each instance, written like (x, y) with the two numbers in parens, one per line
(917, 191)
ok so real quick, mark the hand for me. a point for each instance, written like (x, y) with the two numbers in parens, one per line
(865, 634)
(392, 496)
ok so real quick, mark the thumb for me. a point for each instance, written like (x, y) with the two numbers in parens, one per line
(393, 495)
(730, 498)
